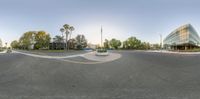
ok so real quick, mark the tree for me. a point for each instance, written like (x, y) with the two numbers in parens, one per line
(15, 44)
(125, 45)
(58, 39)
(68, 30)
(72, 44)
(42, 40)
(134, 43)
(71, 29)
(115, 43)
(62, 30)
(145, 46)
(106, 44)
(27, 40)
(81, 42)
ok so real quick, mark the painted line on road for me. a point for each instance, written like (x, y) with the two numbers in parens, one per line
(49, 57)
(62, 58)
(65, 58)
(79, 62)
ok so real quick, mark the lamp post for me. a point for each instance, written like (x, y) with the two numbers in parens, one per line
(101, 36)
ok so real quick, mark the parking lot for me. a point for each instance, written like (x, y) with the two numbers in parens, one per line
(135, 75)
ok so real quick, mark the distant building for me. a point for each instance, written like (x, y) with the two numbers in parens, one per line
(183, 38)
(155, 46)
(92, 46)
(57, 46)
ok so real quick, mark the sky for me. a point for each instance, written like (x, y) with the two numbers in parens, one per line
(120, 19)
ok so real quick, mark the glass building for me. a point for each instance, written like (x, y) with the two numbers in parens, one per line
(183, 38)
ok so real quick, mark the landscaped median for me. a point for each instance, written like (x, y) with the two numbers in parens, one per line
(104, 58)
(102, 52)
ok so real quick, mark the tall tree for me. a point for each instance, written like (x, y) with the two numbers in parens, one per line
(58, 39)
(81, 42)
(126, 45)
(115, 43)
(42, 40)
(66, 27)
(15, 44)
(27, 40)
(62, 30)
(106, 44)
(71, 29)
(68, 30)
(72, 43)
(133, 43)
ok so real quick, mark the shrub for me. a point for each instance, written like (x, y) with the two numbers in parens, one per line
(101, 50)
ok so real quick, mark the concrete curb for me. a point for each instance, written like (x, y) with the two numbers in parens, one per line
(169, 52)
(94, 57)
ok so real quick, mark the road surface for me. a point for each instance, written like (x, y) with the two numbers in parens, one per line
(136, 75)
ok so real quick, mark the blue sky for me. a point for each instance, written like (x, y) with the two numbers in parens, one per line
(145, 19)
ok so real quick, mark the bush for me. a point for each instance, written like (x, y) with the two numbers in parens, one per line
(1, 50)
(101, 50)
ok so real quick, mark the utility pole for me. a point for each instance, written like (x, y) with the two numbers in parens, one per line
(101, 36)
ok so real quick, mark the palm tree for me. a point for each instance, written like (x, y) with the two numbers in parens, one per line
(58, 39)
(71, 28)
(62, 30)
(68, 30)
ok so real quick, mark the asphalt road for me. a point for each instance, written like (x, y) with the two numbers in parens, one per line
(136, 75)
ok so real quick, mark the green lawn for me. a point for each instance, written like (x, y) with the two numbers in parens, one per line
(53, 51)
(1, 50)
(192, 50)
(189, 50)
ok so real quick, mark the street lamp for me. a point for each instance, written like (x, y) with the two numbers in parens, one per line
(101, 36)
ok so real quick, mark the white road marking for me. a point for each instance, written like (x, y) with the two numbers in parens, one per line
(64, 58)
(49, 57)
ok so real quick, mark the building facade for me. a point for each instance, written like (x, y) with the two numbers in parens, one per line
(57, 46)
(183, 38)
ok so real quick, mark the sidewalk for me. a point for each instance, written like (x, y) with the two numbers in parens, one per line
(171, 52)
